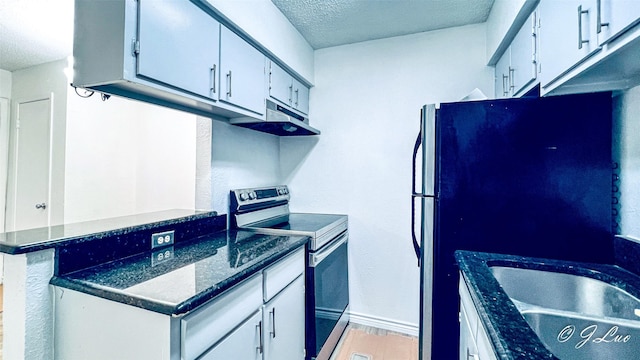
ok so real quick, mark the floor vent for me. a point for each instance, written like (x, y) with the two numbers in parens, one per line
(360, 357)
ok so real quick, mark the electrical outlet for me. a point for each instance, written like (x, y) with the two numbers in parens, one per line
(162, 239)
(161, 256)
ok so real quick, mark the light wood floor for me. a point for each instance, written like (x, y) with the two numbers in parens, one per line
(366, 343)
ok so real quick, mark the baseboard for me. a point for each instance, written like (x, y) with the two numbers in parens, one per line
(385, 324)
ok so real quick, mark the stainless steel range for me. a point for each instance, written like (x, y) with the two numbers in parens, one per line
(266, 210)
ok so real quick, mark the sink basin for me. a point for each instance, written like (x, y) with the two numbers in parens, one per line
(575, 317)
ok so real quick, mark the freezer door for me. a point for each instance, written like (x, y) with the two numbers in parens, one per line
(428, 149)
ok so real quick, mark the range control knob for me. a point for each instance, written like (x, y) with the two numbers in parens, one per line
(244, 196)
(253, 195)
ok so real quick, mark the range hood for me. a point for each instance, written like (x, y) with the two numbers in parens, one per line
(278, 121)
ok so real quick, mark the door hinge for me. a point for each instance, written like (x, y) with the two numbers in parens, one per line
(136, 47)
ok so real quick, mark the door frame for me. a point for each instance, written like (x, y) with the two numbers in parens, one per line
(12, 172)
(4, 158)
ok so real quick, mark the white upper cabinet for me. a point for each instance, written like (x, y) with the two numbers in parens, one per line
(516, 70)
(614, 17)
(242, 73)
(503, 68)
(300, 99)
(524, 56)
(287, 90)
(568, 36)
(178, 46)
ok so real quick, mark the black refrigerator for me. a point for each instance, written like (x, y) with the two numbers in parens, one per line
(528, 176)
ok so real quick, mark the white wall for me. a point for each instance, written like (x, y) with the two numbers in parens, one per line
(5, 84)
(241, 158)
(626, 116)
(126, 157)
(264, 22)
(366, 103)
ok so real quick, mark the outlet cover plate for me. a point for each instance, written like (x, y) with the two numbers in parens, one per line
(162, 239)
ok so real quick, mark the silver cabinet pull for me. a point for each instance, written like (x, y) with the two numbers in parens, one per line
(512, 84)
(471, 356)
(273, 323)
(505, 80)
(290, 94)
(41, 206)
(213, 79)
(580, 39)
(297, 96)
(229, 81)
(599, 23)
(260, 346)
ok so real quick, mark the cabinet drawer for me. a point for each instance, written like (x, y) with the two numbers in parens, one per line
(278, 276)
(209, 324)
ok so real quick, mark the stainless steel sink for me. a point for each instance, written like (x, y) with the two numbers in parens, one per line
(574, 316)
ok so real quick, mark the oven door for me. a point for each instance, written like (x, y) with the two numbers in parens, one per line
(327, 297)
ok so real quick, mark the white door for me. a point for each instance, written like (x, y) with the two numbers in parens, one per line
(29, 167)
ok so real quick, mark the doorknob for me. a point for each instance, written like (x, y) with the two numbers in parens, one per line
(41, 206)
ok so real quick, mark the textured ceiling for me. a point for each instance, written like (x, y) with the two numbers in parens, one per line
(33, 32)
(326, 23)
(38, 31)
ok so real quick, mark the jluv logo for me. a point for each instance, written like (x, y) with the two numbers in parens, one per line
(588, 334)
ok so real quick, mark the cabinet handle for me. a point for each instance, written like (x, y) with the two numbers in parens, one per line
(213, 79)
(297, 96)
(471, 356)
(580, 40)
(512, 84)
(505, 80)
(290, 94)
(261, 345)
(599, 23)
(229, 82)
(273, 323)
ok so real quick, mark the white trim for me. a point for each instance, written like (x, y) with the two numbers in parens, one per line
(4, 160)
(385, 324)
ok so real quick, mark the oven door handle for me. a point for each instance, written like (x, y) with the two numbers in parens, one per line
(316, 258)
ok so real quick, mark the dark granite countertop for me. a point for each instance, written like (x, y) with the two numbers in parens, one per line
(24, 241)
(174, 280)
(510, 334)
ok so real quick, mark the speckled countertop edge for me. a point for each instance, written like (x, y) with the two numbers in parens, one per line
(149, 303)
(509, 333)
(37, 245)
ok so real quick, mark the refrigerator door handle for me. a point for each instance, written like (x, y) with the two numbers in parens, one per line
(414, 193)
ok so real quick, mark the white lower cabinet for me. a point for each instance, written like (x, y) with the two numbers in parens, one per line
(262, 318)
(244, 343)
(474, 341)
(283, 318)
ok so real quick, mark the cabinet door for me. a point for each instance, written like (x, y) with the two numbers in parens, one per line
(280, 84)
(178, 46)
(242, 81)
(243, 343)
(567, 36)
(468, 349)
(300, 98)
(523, 52)
(284, 329)
(616, 16)
(503, 67)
